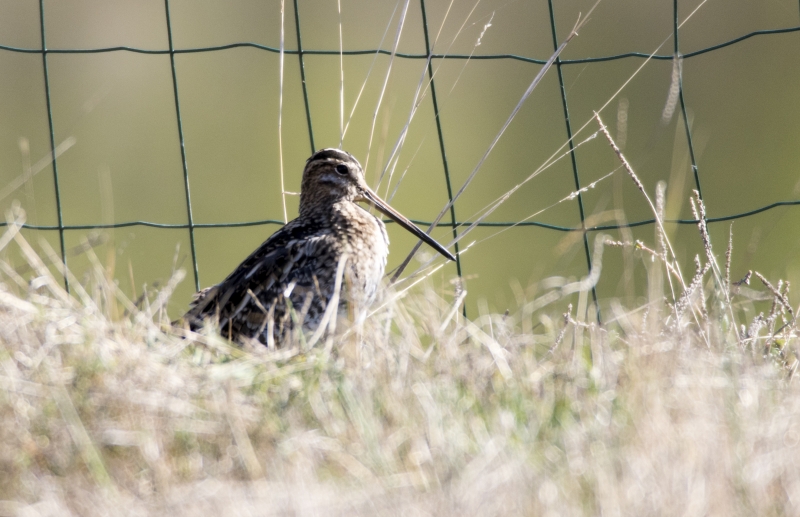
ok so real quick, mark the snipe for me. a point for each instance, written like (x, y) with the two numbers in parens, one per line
(291, 276)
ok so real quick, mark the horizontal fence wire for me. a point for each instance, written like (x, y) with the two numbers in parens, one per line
(301, 52)
(419, 222)
(312, 52)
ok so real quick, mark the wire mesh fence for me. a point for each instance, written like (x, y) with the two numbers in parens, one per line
(302, 54)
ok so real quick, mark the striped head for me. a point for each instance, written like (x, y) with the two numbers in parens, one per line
(333, 175)
(330, 175)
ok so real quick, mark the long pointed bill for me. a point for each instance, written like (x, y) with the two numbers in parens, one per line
(395, 216)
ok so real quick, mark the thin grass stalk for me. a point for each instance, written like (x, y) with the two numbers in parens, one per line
(528, 92)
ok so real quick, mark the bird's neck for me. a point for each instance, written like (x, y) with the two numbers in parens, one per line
(323, 202)
(342, 213)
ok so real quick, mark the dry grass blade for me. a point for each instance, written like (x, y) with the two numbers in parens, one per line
(239, 431)
(280, 114)
(674, 90)
(39, 166)
(14, 223)
(498, 353)
(45, 277)
(640, 186)
(328, 321)
(80, 436)
(779, 296)
(421, 93)
(528, 92)
(431, 414)
(699, 212)
(369, 72)
(697, 281)
(400, 25)
(728, 256)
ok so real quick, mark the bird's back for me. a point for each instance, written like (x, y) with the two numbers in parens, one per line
(297, 263)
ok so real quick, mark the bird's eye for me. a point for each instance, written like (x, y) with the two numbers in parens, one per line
(342, 169)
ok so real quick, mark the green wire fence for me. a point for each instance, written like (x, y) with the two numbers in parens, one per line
(300, 52)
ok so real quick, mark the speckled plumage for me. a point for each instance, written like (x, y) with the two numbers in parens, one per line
(299, 261)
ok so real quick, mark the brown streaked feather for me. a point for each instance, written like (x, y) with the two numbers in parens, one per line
(291, 277)
(266, 273)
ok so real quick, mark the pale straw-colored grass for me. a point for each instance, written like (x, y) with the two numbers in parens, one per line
(661, 411)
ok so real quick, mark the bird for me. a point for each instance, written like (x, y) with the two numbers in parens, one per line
(291, 277)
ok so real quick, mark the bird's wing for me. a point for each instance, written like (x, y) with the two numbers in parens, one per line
(288, 255)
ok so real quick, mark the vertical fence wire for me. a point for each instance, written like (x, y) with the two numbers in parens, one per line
(183, 149)
(303, 75)
(52, 135)
(686, 126)
(575, 175)
(441, 138)
(61, 227)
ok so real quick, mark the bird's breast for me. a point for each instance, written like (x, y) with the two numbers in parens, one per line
(368, 247)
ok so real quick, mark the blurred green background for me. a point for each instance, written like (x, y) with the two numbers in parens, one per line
(125, 165)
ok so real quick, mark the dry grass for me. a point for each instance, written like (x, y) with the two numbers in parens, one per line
(668, 409)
